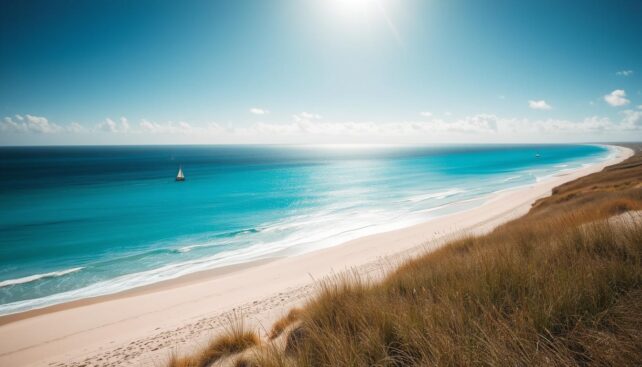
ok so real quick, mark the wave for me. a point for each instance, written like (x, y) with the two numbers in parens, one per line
(188, 248)
(511, 178)
(35, 277)
(223, 239)
(436, 195)
(292, 224)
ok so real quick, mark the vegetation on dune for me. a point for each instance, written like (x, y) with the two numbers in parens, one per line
(284, 322)
(236, 339)
(536, 294)
(559, 286)
(614, 190)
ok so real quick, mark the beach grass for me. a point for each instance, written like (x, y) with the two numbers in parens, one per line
(280, 325)
(236, 339)
(560, 286)
(546, 294)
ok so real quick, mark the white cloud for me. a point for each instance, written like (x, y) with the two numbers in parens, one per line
(310, 116)
(632, 119)
(481, 123)
(76, 128)
(259, 111)
(181, 127)
(112, 126)
(640, 107)
(40, 124)
(624, 73)
(306, 127)
(616, 98)
(539, 105)
(306, 116)
(552, 126)
(29, 123)
(480, 126)
(108, 125)
(425, 114)
(306, 121)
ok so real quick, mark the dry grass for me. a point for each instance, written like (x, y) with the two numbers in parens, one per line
(284, 322)
(536, 295)
(618, 187)
(560, 286)
(236, 339)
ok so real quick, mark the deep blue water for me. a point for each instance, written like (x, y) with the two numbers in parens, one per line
(77, 222)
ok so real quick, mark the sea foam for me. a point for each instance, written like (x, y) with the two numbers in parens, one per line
(36, 277)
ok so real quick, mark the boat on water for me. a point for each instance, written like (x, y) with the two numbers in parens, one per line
(537, 155)
(180, 176)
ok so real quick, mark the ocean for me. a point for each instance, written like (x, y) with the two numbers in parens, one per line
(78, 222)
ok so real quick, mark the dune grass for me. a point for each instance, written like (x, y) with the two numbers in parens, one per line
(279, 326)
(236, 339)
(560, 286)
(555, 293)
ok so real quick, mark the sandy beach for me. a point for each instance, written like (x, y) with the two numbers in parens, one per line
(144, 326)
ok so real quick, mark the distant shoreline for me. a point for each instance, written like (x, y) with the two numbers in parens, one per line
(165, 306)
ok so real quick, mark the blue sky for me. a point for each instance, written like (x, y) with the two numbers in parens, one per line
(319, 71)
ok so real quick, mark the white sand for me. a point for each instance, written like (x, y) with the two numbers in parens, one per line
(142, 327)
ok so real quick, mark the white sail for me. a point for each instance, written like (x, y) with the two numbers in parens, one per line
(180, 175)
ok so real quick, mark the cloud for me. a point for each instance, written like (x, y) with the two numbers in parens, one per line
(29, 123)
(306, 121)
(112, 126)
(616, 98)
(76, 128)
(259, 111)
(590, 124)
(307, 127)
(624, 73)
(181, 127)
(425, 114)
(632, 119)
(481, 123)
(539, 105)
(473, 127)
(306, 116)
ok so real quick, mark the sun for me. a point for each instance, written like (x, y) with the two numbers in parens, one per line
(355, 7)
(359, 12)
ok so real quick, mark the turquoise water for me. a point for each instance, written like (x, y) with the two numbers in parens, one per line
(78, 222)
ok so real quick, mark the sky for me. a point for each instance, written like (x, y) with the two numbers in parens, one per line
(320, 71)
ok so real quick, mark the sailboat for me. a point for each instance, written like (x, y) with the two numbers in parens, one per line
(180, 176)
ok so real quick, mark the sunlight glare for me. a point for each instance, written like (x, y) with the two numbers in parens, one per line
(355, 7)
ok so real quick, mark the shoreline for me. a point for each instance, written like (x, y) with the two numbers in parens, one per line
(94, 323)
(183, 280)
